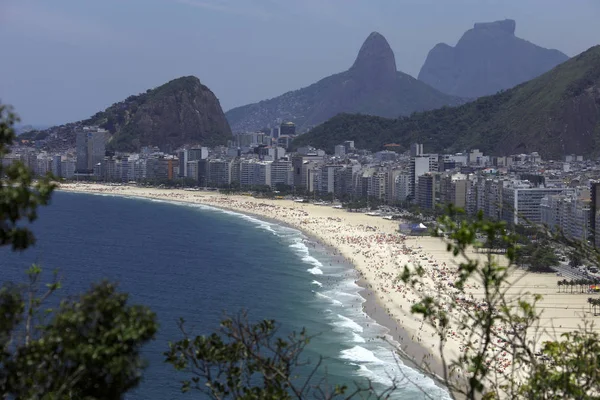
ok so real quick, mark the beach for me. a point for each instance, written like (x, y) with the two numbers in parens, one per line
(379, 253)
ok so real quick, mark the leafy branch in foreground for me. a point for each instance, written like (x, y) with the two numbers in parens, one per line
(19, 195)
(503, 354)
(87, 348)
(245, 360)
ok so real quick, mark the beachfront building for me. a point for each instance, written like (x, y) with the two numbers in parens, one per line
(376, 185)
(420, 165)
(427, 190)
(328, 175)
(90, 144)
(402, 183)
(67, 168)
(218, 172)
(281, 173)
(304, 166)
(521, 202)
(161, 167)
(453, 190)
(344, 179)
(569, 213)
(255, 173)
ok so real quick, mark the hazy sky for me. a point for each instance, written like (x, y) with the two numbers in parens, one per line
(64, 60)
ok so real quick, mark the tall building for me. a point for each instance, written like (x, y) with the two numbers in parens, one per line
(521, 205)
(568, 213)
(416, 149)
(81, 147)
(90, 147)
(453, 190)
(57, 166)
(255, 173)
(427, 190)
(197, 153)
(287, 128)
(218, 173)
(595, 213)
(328, 175)
(340, 150)
(183, 161)
(281, 172)
(419, 165)
(402, 187)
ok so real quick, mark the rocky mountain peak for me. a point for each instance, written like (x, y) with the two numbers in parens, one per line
(375, 59)
(372, 86)
(487, 58)
(506, 26)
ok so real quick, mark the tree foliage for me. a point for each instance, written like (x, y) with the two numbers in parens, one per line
(87, 348)
(19, 194)
(251, 361)
(565, 367)
(525, 118)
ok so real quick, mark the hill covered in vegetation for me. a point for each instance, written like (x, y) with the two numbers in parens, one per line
(371, 86)
(181, 111)
(555, 114)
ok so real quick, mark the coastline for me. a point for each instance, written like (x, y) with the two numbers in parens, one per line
(378, 253)
(410, 351)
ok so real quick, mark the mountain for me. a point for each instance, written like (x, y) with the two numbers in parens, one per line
(487, 59)
(371, 86)
(555, 114)
(181, 111)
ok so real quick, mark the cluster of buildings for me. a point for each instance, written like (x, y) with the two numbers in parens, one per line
(521, 189)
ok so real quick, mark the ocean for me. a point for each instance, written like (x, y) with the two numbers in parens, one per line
(196, 262)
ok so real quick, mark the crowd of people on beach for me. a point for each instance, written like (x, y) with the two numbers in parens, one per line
(380, 254)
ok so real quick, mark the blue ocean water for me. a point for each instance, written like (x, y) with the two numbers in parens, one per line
(197, 263)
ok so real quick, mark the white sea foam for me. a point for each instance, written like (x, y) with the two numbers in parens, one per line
(315, 271)
(312, 260)
(346, 322)
(334, 301)
(338, 293)
(319, 284)
(378, 377)
(359, 354)
(357, 338)
(300, 247)
(268, 227)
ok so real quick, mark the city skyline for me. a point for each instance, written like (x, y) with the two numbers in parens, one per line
(72, 60)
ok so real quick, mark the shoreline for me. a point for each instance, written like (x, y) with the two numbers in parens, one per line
(411, 352)
(374, 249)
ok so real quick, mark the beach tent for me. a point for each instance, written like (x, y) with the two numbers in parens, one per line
(404, 229)
(413, 229)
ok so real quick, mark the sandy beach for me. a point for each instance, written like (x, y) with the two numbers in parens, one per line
(379, 253)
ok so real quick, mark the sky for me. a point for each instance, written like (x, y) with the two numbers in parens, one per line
(65, 60)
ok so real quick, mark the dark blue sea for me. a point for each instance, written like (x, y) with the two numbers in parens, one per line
(197, 263)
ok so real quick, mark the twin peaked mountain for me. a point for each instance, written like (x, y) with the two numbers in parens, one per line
(371, 86)
(487, 59)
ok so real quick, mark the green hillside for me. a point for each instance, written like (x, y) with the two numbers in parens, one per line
(182, 111)
(557, 113)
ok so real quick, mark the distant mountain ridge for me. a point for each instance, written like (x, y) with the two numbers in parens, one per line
(487, 59)
(371, 86)
(555, 114)
(182, 111)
